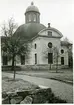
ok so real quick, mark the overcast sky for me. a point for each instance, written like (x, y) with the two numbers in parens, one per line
(60, 13)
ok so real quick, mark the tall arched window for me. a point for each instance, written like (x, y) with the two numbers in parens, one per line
(35, 58)
(34, 17)
(35, 46)
(29, 17)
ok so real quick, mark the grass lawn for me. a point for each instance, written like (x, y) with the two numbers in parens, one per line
(9, 85)
(62, 75)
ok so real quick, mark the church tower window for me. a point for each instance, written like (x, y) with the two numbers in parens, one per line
(29, 18)
(34, 17)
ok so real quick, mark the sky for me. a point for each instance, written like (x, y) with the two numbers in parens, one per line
(60, 13)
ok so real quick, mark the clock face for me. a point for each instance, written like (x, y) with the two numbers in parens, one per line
(50, 45)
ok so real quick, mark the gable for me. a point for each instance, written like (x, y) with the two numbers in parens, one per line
(50, 32)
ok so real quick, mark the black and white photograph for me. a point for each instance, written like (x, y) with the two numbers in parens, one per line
(36, 51)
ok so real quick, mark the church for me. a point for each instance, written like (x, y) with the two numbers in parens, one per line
(45, 42)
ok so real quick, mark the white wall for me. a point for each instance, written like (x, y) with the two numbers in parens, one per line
(42, 50)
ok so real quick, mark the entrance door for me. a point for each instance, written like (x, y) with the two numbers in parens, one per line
(50, 58)
(62, 60)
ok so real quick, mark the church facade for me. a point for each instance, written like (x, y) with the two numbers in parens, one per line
(45, 42)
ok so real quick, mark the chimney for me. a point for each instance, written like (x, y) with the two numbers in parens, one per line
(48, 25)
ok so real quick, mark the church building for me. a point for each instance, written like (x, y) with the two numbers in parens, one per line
(45, 42)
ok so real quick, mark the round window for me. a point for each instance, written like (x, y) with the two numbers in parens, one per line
(50, 45)
(62, 51)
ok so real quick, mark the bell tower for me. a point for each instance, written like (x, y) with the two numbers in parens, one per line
(32, 14)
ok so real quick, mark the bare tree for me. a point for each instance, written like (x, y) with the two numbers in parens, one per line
(56, 57)
(45, 54)
(13, 46)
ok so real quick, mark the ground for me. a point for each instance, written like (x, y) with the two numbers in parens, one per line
(9, 85)
(42, 79)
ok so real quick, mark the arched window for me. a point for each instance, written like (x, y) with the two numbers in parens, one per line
(62, 51)
(35, 45)
(35, 58)
(34, 17)
(29, 17)
(50, 45)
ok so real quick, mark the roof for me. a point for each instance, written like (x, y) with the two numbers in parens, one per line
(29, 30)
(52, 29)
(32, 8)
(65, 43)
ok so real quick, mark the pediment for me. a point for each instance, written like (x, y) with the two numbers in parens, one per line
(50, 32)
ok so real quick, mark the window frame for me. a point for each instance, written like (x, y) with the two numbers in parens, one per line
(49, 33)
(35, 45)
(50, 45)
(62, 60)
(62, 51)
(35, 58)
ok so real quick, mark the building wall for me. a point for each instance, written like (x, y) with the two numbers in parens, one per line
(42, 50)
(65, 55)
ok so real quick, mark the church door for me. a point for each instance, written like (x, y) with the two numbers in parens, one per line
(50, 58)
(62, 60)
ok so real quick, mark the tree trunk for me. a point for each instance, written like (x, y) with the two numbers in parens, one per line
(13, 61)
(57, 65)
(50, 66)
